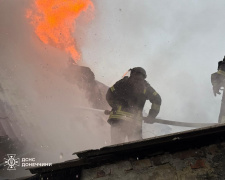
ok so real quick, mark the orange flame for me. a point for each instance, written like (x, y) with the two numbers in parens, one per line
(54, 22)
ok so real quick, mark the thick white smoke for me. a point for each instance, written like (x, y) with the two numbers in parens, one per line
(178, 43)
(43, 102)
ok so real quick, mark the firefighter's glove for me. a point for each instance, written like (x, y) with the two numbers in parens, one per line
(107, 112)
(149, 120)
(216, 90)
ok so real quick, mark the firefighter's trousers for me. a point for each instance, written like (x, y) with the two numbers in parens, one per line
(121, 129)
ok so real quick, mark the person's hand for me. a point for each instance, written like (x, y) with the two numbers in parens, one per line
(107, 112)
(216, 90)
(149, 120)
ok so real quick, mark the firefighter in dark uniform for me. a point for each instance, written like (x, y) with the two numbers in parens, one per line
(127, 98)
(218, 81)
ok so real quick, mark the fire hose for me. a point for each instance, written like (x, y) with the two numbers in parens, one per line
(157, 120)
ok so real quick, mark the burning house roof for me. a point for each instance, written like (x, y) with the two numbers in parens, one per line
(41, 108)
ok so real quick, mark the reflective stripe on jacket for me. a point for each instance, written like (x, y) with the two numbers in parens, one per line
(126, 116)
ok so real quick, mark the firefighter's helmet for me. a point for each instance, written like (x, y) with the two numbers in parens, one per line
(221, 64)
(138, 70)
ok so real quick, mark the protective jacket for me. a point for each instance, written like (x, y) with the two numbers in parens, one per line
(218, 78)
(218, 81)
(127, 98)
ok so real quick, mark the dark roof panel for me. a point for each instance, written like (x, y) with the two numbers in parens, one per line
(152, 146)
